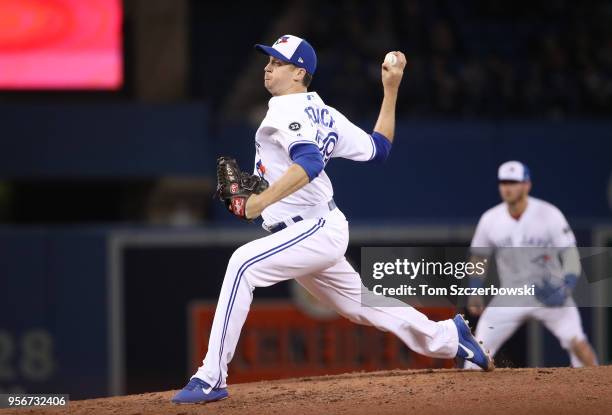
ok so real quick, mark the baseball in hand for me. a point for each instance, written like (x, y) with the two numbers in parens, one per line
(390, 58)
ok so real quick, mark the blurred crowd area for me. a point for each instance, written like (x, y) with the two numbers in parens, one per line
(193, 89)
(466, 58)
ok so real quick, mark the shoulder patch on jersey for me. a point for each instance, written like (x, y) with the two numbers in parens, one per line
(294, 126)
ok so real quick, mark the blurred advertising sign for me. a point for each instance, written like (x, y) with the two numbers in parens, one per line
(280, 340)
(60, 44)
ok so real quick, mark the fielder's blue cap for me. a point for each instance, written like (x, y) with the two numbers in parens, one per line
(294, 50)
(513, 171)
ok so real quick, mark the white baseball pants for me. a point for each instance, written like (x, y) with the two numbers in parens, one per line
(497, 324)
(311, 252)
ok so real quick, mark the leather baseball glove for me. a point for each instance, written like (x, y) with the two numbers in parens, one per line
(234, 186)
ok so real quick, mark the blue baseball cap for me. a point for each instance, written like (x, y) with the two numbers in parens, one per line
(513, 171)
(294, 50)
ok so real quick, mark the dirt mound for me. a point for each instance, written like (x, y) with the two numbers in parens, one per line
(445, 391)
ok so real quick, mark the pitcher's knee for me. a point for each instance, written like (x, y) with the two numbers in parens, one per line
(239, 259)
(249, 267)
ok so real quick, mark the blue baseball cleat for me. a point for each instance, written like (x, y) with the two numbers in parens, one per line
(469, 348)
(194, 392)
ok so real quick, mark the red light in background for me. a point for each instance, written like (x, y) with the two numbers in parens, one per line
(60, 44)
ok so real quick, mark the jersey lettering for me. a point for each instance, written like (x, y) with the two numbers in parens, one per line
(320, 116)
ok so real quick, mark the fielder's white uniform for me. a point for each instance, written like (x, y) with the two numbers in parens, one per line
(311, 251)
(542, 230)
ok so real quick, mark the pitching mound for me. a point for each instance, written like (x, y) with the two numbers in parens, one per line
(504, 391)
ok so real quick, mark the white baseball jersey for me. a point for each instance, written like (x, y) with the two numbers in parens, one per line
(525, 247)
(301, 119)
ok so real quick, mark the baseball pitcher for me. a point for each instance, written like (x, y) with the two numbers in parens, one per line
(309, 235)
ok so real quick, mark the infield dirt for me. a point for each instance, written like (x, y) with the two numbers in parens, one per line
(422, 392)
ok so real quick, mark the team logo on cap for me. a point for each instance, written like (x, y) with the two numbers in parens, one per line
(282, 39)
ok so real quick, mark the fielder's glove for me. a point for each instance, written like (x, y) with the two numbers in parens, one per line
(554, 294)
(234, 186)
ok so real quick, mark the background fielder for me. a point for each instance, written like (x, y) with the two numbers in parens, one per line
(534, 245)
(298, 136)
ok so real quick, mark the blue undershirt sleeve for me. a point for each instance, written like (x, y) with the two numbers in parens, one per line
(383, 147)
(309, 158)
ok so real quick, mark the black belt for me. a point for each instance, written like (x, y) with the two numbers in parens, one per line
(282, 225)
